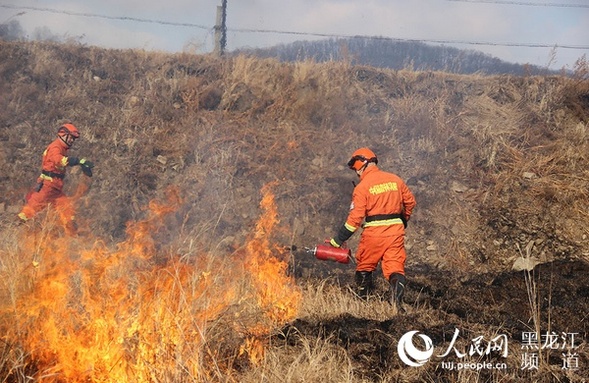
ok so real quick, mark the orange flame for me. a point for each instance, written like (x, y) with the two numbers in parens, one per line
(133, 314)
(276, 295)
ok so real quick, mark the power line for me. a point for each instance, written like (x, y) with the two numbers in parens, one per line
(123, 18)
(524, 3)
(313, 34)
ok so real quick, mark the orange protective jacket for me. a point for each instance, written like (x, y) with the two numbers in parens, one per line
(55, 161)
(379, 193)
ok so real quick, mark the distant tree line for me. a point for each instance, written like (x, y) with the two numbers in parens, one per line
(386, 53)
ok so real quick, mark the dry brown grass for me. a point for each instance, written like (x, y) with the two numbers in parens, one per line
(220, 129)
(324, 300)
(313, 360)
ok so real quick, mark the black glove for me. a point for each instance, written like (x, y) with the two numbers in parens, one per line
(341, 237)
(86, 167)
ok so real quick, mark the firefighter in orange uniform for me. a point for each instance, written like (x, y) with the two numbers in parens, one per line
(50, 183)
(384, 202)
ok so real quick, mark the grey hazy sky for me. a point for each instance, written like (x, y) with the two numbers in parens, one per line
(482, 21)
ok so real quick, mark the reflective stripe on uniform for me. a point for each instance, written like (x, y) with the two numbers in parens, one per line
(384, 222)
(350, 227)
(49, 176)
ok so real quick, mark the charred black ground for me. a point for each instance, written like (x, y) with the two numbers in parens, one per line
(492, 303)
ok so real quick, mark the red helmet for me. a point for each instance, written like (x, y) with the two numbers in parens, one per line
(68, 133)
(361, 158)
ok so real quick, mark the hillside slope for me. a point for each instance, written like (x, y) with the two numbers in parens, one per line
(498, 165)
(490, 159)
(391, 54)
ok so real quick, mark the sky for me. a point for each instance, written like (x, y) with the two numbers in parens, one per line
(557, 29)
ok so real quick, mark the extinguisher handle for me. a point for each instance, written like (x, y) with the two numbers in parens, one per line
(342, 246)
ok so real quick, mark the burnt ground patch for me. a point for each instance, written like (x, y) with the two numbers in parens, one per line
(555, 292)
(484, 304)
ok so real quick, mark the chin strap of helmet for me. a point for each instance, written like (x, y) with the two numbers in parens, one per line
(65, 135)
(64, 139)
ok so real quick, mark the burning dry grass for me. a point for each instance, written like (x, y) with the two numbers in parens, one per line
(135, 312)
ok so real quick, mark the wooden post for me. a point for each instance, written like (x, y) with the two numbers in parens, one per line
(218, 31)
(221, 29)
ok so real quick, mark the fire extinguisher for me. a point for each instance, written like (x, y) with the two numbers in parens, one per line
(330, 253)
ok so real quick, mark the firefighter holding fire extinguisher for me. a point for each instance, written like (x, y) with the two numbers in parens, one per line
(384, 203)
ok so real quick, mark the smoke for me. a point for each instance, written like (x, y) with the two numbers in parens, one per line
(11, 31)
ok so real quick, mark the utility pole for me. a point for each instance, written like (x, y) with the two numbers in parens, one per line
(221, 29)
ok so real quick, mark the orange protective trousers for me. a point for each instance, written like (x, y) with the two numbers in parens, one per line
(390, 250)
(37, 201)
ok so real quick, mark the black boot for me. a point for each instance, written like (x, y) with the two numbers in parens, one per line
(397, 289)
(364, 283)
